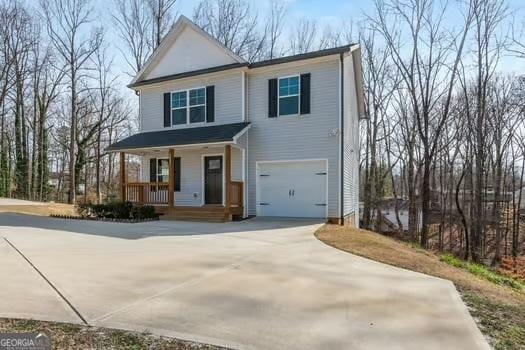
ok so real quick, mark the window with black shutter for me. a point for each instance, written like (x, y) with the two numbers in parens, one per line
(305, 93)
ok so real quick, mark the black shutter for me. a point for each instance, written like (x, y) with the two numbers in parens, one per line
(210, 104)
(167, 109)
(272, 98)
(305, 93)
(153, 170)
(176, 169)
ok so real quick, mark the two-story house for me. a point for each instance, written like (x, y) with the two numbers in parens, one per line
(221, 137)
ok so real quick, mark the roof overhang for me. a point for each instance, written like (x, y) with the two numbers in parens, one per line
(306, 57)
(188, 74)
(181, 138)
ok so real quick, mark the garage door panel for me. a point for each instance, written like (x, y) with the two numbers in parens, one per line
(294, 189)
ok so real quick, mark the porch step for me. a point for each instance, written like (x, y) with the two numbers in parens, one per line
(206, 213)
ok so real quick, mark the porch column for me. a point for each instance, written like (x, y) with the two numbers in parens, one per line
(171, 179)
(123, 176)
(227, 176)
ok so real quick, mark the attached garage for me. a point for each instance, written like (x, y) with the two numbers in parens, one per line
(294, 188)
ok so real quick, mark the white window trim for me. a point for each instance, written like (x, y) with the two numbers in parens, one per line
(298, 76)
(168, 159)
(188, 107)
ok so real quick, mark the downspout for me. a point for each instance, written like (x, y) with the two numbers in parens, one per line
(341, 132)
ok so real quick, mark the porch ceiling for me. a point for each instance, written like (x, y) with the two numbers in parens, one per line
(180, 137)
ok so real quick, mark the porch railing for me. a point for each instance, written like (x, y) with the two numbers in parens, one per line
(156, 193)
(236, 193)
(147, 192)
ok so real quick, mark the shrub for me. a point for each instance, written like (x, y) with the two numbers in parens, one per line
(117, 210)
(143, 212)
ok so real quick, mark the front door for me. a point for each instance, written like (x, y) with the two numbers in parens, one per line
(213, 180)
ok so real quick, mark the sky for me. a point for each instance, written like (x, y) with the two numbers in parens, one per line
(333, 12)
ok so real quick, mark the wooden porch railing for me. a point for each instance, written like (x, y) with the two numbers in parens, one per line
(157, 193)
(147, 192)
(236, 193)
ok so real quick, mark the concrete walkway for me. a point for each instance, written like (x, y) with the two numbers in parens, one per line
(257, 284)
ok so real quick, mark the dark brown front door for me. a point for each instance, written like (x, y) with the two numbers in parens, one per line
(213, 180)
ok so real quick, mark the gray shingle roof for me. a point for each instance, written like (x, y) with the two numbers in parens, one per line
(180, 137)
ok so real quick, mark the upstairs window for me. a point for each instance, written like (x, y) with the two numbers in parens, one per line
(188, 106)
(197, 105)
(289, 95)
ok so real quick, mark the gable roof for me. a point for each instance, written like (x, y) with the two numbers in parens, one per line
(181, 23)
(270, 62)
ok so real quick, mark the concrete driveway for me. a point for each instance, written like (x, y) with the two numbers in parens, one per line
(257, 284)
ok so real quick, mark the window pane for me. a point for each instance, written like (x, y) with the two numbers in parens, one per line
(197, 114)
(162, 170)
(293, 86)
(178, 116)
(214, 164)
(288, 86)
(178, 99)
(197, 97)
(289, 105)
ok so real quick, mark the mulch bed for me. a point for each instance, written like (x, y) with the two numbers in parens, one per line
(127, 221)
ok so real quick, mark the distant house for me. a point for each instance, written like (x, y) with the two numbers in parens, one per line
(221, 135)
(389, 221)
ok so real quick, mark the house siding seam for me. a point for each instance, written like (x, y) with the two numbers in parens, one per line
(228, 105)
(296, 137)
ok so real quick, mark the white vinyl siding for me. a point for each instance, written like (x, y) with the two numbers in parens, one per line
(236, 164)
(228, 104)
(190, 51)
(350, 144)
(299, 137)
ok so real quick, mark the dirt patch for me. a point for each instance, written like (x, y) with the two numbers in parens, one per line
(71, 336)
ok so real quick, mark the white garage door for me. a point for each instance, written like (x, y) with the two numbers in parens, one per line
(293, 189)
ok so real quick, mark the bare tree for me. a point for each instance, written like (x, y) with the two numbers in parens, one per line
(274, 28)
(134, 25)
(303, 36)
(232, 23)
(487, 14)
(428, 74)
(67, 20)
(162, 17)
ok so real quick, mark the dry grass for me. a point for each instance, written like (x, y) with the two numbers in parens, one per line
(44, 209)
(499, 310)
(71, 336)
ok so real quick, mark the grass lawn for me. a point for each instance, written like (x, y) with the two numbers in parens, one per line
(497, 305)
(42, 209)
(70, 336)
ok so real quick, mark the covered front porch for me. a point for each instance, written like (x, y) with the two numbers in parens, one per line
(204, 180)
